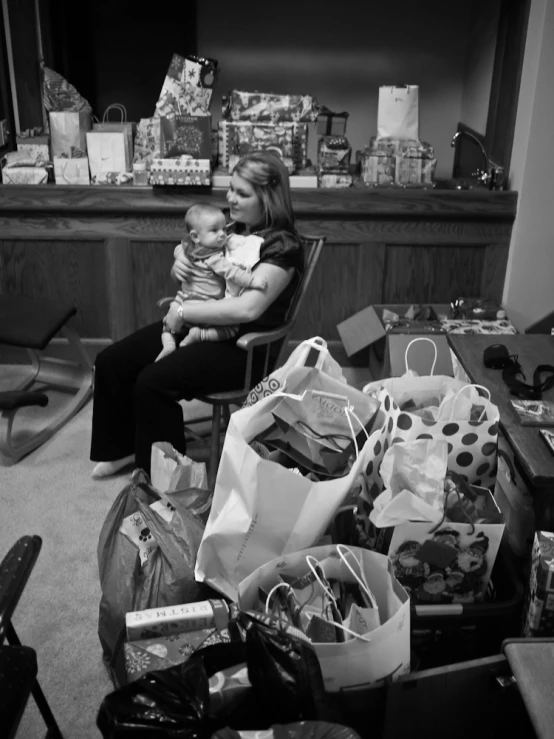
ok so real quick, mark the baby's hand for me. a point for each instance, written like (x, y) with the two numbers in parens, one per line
(172, 318)
(258, 283)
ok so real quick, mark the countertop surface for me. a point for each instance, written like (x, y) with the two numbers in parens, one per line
(478, 204)
(532, 350)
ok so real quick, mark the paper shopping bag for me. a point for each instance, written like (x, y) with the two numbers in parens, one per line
(472, 441)
(398, 112)
(71, 171)
(126, 127)
(261, 509)
(147, 141)
(68, 129)
(107, 152)
(299, 358)
(355, 662)
(451, 563)
(323, 409)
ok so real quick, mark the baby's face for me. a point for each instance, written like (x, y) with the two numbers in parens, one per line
(211, 231)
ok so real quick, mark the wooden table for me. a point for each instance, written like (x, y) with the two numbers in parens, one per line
(532, 665)
(532, 457)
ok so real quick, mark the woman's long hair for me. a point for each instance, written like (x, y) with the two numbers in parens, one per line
(269, 178)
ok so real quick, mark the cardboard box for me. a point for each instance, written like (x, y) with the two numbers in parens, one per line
(366, 330)
(538, 612)
(178, 619)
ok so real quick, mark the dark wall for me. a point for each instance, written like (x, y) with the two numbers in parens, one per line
(114, 52)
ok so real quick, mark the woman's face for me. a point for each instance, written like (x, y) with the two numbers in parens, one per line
(246, 207)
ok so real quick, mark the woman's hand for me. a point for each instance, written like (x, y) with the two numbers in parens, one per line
(182, 267)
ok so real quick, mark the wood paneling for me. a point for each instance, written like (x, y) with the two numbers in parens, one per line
(346, 279)
(60, 270)
(110, 250)
(151, 281)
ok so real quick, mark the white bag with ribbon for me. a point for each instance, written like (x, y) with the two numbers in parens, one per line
(398, 112)
(262, 509)
(441, 407)
(298, 358)
(382, 649)
(71, 171)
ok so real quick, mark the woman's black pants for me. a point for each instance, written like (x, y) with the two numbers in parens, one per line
(136, 400)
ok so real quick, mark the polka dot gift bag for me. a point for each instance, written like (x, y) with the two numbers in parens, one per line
(440, 407)
(299, 358)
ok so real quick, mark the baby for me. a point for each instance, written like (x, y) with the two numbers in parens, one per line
(221, 268)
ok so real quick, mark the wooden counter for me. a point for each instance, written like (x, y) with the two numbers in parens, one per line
(110, 248)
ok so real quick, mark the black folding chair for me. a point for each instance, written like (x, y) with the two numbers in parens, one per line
(18, 664)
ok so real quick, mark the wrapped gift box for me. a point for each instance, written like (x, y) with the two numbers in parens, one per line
(187, 134)
(263, 106)
(183, 91)
(182, 171)
(414, 171)
(24, 175)
(330, 179)
(333, 154)
(539, 600)
(238, 137)
(161, 652)
(36, 147)
(377, 169)
(413, 148)
(176, 619)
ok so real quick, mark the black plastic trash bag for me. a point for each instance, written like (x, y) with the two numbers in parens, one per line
(283, 670)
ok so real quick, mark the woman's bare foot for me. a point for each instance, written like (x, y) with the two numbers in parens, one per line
(106, 469)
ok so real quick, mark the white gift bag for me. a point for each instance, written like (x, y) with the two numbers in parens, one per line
(71, 171)
(107, 152)
(298, 358)
(263, 510)
(385, 651)
(398, 112)
(68, 131)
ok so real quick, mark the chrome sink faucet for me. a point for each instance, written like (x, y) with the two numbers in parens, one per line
(492, 176)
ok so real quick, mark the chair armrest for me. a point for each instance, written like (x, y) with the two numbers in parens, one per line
(164, 303)
(260, 338)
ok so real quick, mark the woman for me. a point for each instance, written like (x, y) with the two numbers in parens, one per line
(136, 398)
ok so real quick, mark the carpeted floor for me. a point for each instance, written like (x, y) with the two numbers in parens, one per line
(51, 493)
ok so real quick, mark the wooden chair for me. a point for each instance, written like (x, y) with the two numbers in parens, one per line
(273, 341)
(31, 324)
(18, 664)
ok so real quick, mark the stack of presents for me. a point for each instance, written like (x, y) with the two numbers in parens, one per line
(343, 522)
(178, 145)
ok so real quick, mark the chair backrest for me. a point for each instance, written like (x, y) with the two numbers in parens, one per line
(312, 249)
(15, 570)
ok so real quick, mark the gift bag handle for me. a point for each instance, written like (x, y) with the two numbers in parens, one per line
(348, 409)
(317, 343)
(331, 595)
(115, 106)
(359, 580)
(64, 167)
(413, 341)
(481, 387)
